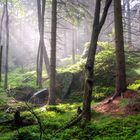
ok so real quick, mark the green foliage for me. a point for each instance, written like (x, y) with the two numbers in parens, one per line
(105, 65)
(135, 85)
(65, 62)
(105, 68)
(106, 45)
(19, 77)
(100, 93)
(25, 78)
(73, 68)
(25, 136)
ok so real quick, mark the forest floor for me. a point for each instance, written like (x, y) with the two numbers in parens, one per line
(124, 105)
(117, 120)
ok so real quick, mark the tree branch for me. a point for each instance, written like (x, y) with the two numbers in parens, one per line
(102, 21)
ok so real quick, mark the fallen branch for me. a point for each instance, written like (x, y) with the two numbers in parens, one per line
(7, 122)
(70, 123)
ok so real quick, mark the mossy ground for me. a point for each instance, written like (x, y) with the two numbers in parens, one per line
(102, 127)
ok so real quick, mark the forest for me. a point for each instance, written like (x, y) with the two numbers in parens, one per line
(69, 69)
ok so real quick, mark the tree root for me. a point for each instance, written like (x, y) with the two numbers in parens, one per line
(116, 94)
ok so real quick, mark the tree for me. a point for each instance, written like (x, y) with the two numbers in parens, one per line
(51, 99)
(7, 46)
(1, 46)
(42, 53)
(120, 56)
(89, 67)
(73, 46)
(129, 24)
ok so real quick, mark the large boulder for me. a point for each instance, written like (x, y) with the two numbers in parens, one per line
(68, 82)
(40, 97)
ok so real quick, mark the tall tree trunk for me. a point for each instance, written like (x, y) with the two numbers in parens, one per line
(42, 53)
(51, 99)
(7, 47)
(1, 46)
(129, 24)
(120, 57)
(89, 67)
(45, 55)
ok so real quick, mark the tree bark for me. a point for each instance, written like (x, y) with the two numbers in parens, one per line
(51, 99)
(1, 46)
(73, 46)
(129, 24)
(119, 44)
(7, 47)
(40, 51)
(89, 67)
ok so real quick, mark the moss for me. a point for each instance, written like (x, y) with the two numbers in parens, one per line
(102, 127)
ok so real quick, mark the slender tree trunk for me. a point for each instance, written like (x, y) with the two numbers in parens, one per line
(45, 55)
(51, 99)
(120, 57)
(46, 60)
(40, 51)
(73, 46)
(65, 44)
(89, 67)
(1, 24)
(129, 24)
(7, 47)
(124, 18)
(38, 63)
(1, 46)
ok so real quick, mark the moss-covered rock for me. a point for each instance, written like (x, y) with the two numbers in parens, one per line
(68, 82)
(21, 93)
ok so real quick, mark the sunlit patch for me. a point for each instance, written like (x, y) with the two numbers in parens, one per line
(43, 108)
